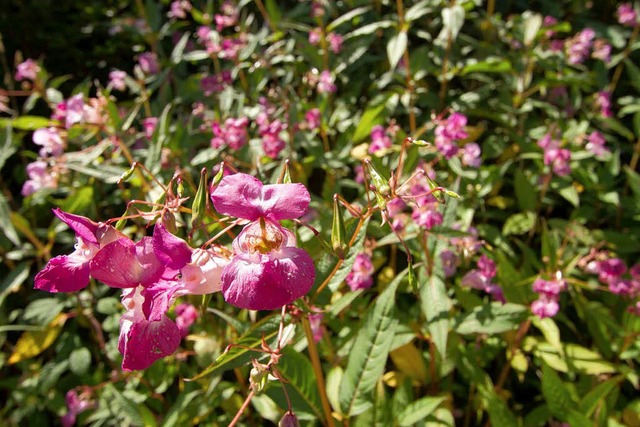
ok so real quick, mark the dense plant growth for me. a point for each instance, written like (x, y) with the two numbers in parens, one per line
(327, 213)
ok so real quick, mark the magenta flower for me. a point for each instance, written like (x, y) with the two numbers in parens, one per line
(545, 306)
(315, 321)
(360, 276)
(75, 405)
(335, 42)
(313, 118)
(148, 62)
(603, 101)
(229, 16)
(149, 125)
(40, 176)
(69, 273)
(143, 338)
(50, 140)
(233, 133)
(179, 9)
(268, 270)
(627, 15)
(315, 35)
(379, 139)
(471, 155)
(450, 262)
(449, 131)
(326, 83)
(596, 144)
(74, 110)
(186, 315)
(117, 80)
(27, 70)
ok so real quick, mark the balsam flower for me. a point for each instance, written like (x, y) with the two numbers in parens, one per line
(268, 270)
(361, 274)
(69, 273)
(27, 70)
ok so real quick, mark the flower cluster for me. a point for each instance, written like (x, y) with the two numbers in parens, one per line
(360, 276)
(266, 270)
(381, 138)
(481, 278)
(451, 130)
(554, 156)
(548, 302)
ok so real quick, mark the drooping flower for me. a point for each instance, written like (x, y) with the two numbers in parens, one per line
(69, 273)
(117, 80)
(547, 304)
(268, 270)
(27, 70)
(627, 15)
(449, 131)
(40, 176)
(76, 404)
(481, 278)
(360, 276)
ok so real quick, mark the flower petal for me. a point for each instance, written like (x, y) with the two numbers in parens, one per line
(238, 195)
(285, 201)
(143, 342)
(63, 274)
(172, 251)
(267, 282)
(82, 226)
(124, 264)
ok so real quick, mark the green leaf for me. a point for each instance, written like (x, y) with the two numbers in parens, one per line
(371, 117)
(499, 412)
(334, 379)
(238, 353)
(519, 223)
(369, 352)
(8, 149)
(26, 122)
(490, 65)
(555, 393)
(273, 11)
(590, 401)
(347, 17)
(419, 410)
(301, 384)
(492, 318)
(418, 10)
(396, 48)
(178, 50)
(525, 192)
(179, 407)
(5, 222)
(13, 280)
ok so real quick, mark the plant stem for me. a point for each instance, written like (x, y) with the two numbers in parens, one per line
(244, 406)
(317, 368)
(522, 331)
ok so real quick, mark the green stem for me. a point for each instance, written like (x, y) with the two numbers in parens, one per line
(317, 369)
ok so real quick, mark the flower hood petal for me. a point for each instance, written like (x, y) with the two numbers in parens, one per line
(244, 196)
(172, 251)
(63, 274)
(81, 225)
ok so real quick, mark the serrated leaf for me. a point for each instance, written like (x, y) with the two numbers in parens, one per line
(590, 401)
(419, 410)
(301, 384)
(519, 223)
(555, 393)
(32, 343)
(493, 318)
(499, 412)
(369, 352)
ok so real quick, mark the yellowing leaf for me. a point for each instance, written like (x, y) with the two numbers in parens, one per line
(410, 362)
(32, 343)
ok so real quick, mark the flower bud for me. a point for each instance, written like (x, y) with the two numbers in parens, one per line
(381, 184)
(199, 206)
(338, 232)
(258, 377)
(289, 419)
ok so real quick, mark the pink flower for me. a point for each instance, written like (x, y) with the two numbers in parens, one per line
(179, 9)
(627, 15)
(427, 216)
(268, 270)
(578, 46)
(335, 42)
(69, 273)
(74, 110)
(315, 321)
(545, 306)
(50, 140)
(233, 133)
(611, 269)
(601, 51)
(315, 35)
(186, 315)
(39, 177)
(117, 80)
(229, 16)
(317, 9)
(471, 155)
(360, 276)
(559, 159)
(215, 83)
(487, 266)
(450, 262)
(326, 83)
(481, 277)
(313, 118)
(143, 338)
(603, 101)
(27, 70)
(379, 139)
(149, 125)
(448, 131)
(75, 405)
(148, 62)
(596, 144)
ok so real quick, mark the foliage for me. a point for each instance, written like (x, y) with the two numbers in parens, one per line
(473, 222)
